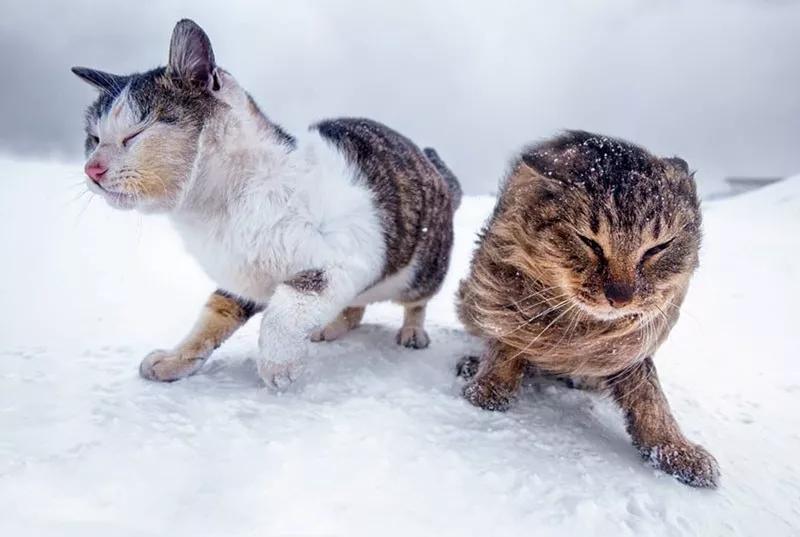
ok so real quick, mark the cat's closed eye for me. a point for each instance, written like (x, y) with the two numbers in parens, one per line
(596, 248)
(94, 139)
(128, 139)
(655, 250)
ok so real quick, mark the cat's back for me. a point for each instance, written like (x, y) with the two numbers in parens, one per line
(370, 143)
(387, 158)
(413, 191)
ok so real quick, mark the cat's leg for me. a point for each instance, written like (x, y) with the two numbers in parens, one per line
(655, 432)
(468, 366)
(348, 319)
(307, 300)
(499, 376)
(222, 315)
(413, 334)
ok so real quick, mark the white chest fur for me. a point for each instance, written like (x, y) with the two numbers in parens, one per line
(288, 212)
(225, 264)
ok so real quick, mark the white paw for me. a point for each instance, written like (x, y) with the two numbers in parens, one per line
(166, 366)
(280, 375)
(413, 337)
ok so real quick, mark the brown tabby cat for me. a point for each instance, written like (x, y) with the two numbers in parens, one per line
(580, 272)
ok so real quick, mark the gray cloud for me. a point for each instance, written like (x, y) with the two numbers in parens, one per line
(714, 81)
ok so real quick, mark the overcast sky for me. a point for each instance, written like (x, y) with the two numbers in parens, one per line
(714, 81)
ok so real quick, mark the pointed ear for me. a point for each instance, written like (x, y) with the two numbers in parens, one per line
(190, 56)
(534, 166)
(680, 175)
(105, 82)
(678, 164)
(529, 176)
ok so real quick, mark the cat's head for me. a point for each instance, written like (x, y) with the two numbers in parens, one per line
(142, 131)
(610, 227)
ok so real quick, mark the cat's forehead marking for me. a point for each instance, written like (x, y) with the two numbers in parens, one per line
(121, 115)
(116, 109)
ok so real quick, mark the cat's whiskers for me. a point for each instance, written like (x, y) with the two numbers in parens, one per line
(589, 344)
(534, 294)
(86, 206)
(81, 186)
(650, 333)
(166, 191)
(79, 195)
(571, 325)
(548, 300)
(538, 315)
(622, 375)
(684, 311)
(631, 370)
(643, 333)
(545, 329)
(576, 320)
(661, 313)
(491, 311)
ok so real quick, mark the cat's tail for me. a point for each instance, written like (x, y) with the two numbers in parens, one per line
(447, 174)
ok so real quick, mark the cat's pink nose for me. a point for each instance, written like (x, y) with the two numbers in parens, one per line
(95, 171)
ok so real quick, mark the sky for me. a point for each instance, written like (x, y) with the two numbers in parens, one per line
(716, 82)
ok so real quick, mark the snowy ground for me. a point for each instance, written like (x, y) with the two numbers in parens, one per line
(379, 441)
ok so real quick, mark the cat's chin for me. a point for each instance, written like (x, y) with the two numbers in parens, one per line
(606, 313)
(123, 202)
(117, 200)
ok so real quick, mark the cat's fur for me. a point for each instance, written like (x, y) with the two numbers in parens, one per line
(580, 272)
(304, 229)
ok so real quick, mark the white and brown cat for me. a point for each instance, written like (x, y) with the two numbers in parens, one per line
(308, 230)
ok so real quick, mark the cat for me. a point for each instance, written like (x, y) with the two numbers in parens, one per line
(580, 272)
(309, 231)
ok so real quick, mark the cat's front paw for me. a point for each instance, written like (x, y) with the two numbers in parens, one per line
(280, 375)
(413, 337)
(167, 366)
(487, 396)
(688, 463)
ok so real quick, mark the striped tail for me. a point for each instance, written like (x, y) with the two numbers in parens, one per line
(447, 174)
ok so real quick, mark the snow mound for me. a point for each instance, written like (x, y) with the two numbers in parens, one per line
(378, 442)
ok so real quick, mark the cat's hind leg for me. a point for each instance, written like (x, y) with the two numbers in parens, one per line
(412, 334)
(221, 316)
(348, 319)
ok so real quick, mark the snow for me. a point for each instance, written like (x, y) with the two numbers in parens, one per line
(377, 441)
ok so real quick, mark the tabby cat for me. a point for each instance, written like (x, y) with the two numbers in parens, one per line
(580, 273)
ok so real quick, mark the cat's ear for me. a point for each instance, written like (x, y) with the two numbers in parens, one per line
(678, 164)
(680, 176)
(105, 82)
(191, 57)
(535, 168)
